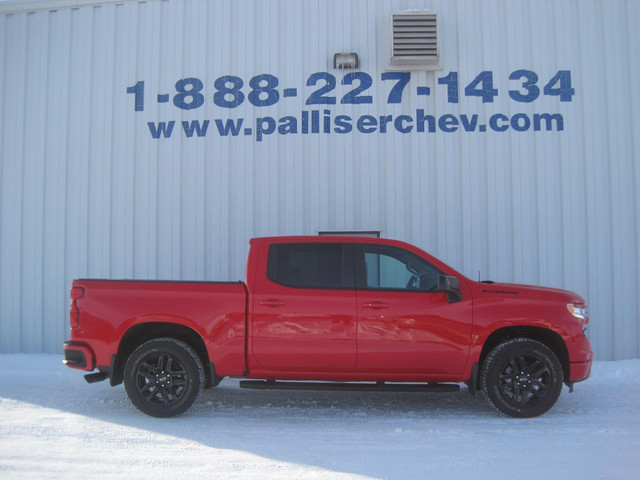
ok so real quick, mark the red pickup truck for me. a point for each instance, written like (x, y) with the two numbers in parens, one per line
(331, 312)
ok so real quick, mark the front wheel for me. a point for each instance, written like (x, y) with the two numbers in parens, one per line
(522, 378)
(163, 377)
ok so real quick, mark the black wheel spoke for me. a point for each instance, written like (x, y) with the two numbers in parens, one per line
(147, 370)
(148, 391)
(179, 382)
(519, 398)
(514, 366)
(523, 380)
(161, 379)
(537, 393)
(539, 386)
(165, 396)
(532, 365)
(540, 372)
(162, 362)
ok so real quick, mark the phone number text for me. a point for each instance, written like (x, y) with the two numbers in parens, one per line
(324, 88)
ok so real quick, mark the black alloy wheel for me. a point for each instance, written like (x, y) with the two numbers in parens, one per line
(522, 378)
(163, 377)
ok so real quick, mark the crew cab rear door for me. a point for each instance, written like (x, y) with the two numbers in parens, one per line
(404, 326)
(304, 310)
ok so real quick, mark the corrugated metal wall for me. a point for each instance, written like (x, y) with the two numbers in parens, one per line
(87, 191)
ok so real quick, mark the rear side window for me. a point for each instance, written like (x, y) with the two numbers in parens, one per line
(305, 265)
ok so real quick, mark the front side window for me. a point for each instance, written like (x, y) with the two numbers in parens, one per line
(304, 265)
(396, 269)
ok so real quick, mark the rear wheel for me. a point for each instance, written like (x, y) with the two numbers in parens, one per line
(522, 378)
(163, 377)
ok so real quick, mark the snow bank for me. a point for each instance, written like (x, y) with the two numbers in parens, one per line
(54, 425)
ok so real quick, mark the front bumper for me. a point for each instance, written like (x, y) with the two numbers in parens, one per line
(580, 358)
(580, 370)
(78, 356)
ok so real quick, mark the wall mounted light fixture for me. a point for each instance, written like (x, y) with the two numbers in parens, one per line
(346, 61)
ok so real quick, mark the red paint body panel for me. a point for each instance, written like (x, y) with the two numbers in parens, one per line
(296, 329)
(420, 333)
(498, 306)
(262, 329)
(215, 311)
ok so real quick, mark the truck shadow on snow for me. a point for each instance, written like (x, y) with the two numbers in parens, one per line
(230, 400)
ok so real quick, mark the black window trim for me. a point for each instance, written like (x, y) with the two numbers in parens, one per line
(348, 272)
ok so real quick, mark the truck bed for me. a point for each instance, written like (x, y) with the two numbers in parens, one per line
(112, 308)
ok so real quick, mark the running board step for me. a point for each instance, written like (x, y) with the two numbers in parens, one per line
(352, 387)
(96, 377)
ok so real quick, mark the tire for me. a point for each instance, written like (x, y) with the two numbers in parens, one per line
(163, 377)
(522, 378)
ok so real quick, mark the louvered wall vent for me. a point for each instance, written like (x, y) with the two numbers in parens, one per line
(415, 41)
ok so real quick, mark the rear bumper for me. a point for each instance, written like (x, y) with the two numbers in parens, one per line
(78, 356)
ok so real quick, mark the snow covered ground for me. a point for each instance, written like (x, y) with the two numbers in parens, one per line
(54, 425)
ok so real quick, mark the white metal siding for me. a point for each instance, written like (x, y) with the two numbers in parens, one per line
(86, 192)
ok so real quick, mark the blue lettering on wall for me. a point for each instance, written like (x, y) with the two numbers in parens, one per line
(355, 88)
(195, 126)
(163, 129)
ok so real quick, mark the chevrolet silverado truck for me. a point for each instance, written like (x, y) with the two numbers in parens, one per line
(321, 312)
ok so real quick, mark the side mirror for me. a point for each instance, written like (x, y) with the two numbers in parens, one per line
(450, 286)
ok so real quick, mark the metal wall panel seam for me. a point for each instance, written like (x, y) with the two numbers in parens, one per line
(600, 291)
(4, 278)
(625, 247)
(53, 281)
(13, 151)
(633, 53)
(33, 188)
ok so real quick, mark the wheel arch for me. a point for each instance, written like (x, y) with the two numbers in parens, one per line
(143, 332)
(543, 335)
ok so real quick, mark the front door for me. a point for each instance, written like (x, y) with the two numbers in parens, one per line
(403, 325)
